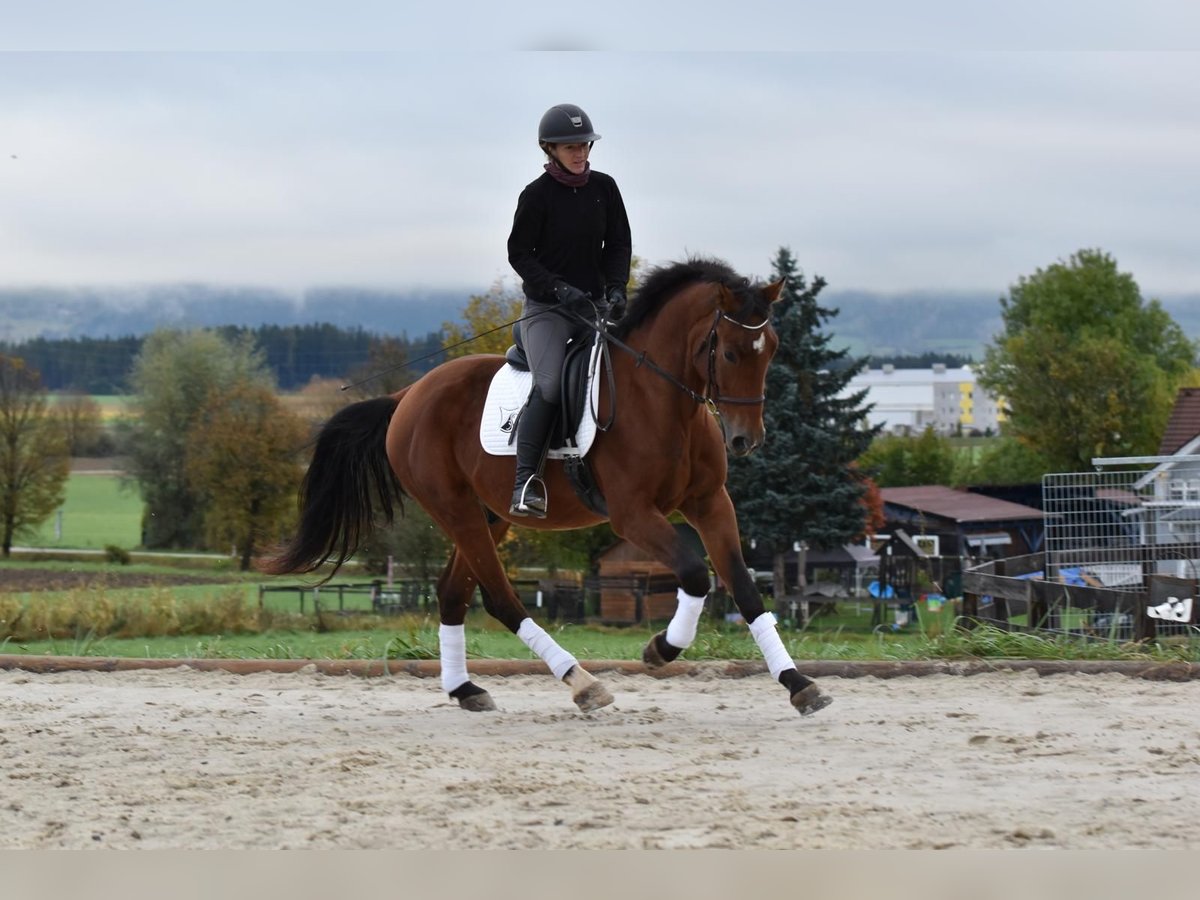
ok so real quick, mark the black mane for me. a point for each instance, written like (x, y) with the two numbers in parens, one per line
(664, 282)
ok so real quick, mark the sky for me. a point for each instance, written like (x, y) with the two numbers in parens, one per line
(280, 154)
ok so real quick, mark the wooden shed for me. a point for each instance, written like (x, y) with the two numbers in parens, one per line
(634, 588)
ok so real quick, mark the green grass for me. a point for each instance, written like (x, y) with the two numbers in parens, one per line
(97, 512)
(223, 619)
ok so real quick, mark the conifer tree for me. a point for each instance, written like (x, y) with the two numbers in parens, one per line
(802, 484)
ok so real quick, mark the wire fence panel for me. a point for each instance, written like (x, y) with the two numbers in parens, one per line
(1118, 531)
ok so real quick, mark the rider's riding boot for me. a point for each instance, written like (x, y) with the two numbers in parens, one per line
(533, 431)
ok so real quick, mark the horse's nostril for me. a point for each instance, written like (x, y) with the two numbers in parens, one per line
(741, 446)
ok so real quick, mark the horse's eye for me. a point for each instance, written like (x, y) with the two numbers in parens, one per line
(730, 356)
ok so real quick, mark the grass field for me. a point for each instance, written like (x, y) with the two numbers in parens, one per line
(98, 511)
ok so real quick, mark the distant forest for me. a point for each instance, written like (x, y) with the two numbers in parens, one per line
(295, 353)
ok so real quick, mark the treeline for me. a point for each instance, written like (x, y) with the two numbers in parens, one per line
(294, 353)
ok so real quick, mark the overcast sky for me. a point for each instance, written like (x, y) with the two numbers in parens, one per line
(886, 170)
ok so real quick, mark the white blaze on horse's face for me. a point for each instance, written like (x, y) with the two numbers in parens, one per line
(760, 344)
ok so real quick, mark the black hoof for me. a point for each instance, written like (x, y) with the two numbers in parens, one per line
(473, 698)
(657, 653)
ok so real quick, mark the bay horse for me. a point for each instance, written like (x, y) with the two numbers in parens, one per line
(688, 388)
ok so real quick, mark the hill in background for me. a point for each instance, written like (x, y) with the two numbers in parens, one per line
(867, 323)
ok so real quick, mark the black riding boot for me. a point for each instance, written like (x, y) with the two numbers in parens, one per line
(533, 431)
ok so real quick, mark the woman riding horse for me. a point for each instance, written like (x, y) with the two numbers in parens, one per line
(686, 389)
(570, 244)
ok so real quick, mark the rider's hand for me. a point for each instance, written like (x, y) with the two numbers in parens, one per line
(573, 299)
(616, 302)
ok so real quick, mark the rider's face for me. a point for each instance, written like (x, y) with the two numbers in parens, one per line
(572, 157)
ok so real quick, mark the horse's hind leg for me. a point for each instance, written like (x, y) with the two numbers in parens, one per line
(454, 590)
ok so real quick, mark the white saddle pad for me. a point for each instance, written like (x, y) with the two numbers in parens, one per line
(507, 394)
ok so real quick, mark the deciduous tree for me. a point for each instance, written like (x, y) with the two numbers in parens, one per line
(1086, 366)
(483, 320)
(34, 463)
(243, 457)
(82, 423)
(174, 377)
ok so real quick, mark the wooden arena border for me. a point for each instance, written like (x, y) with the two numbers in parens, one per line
(427, 668)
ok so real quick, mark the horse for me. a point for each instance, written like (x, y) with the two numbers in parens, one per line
(687, 388)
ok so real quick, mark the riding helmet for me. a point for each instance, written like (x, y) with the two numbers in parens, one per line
(566, 123)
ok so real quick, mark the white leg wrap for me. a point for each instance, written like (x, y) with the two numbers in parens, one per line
(771, 645)
(681, 630)
(536, 639)
(452, 641)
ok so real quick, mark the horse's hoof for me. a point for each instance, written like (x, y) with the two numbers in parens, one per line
(657, 653)
(478, 703)
(587, 692)
(473, 698)
(810, 700)
(592, 697)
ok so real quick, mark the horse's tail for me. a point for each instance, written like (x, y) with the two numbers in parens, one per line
(348, 487)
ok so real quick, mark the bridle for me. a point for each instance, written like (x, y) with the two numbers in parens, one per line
(712, 396)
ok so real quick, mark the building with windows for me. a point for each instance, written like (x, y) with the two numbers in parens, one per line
(906, 401)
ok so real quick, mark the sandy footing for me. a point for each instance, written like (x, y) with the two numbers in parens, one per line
(186, 759)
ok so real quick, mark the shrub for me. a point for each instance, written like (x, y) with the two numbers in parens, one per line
(116, 555)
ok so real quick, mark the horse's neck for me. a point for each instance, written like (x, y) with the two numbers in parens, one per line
(667, 340)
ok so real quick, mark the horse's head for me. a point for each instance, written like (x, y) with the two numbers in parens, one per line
(734, 355)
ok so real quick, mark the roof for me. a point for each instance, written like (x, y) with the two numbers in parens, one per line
(854, 554)
(1184, 424)
(959, 506)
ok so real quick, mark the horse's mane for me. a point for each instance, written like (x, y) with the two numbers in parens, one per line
(664, 282)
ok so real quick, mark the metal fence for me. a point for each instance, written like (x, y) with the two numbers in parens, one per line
(1119, 543)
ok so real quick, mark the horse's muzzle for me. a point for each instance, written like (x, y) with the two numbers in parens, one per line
(741, 445)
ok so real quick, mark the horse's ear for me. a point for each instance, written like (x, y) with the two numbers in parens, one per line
(774, 289)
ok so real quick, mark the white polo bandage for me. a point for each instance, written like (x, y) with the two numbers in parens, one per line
(452, 643)
(536, 639)
(771, 645)
(681, 630)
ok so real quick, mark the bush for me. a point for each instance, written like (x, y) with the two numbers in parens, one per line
(116, 555)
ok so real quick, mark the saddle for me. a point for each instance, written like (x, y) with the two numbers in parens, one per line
(576, 403)
(574, 393)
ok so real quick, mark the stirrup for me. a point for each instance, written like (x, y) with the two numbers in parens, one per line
(528, 500)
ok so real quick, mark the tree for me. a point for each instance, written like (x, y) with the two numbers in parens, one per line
(33, 453)
(483, 323)
(173, 379)
(1086, 366)
(1007, 460)
(385, 371)
(243, 457)
(83, 424)
(902, 460)
(802, 484)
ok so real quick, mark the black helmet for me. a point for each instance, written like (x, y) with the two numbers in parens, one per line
(566, 123)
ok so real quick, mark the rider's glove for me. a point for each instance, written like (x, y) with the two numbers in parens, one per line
(573, 299)
(616, 302)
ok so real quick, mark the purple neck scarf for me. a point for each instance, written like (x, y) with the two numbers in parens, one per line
(570, 179)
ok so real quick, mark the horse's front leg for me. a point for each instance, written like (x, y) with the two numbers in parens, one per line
(714, 518)
(649, 530)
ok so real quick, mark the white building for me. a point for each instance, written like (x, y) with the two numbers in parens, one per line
(905, 401)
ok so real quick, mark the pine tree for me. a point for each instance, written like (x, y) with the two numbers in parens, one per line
(802, 485)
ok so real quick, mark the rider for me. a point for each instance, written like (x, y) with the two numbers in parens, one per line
(570, 244)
